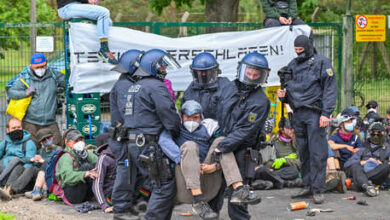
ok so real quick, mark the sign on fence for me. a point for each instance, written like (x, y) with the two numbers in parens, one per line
(89, 74)
(370, 28)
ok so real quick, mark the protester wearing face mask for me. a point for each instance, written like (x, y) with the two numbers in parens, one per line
(283, 170)
(45, 138)
(76, 172)
(15, 152)
(45, 84)
(370, 165)
(345, 141)
(199, 170)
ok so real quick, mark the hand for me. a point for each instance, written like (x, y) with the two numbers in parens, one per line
(289, 20)
(91, 174)
(207, 168)
(108, 209)
(324, 121)
(30, 90)
(350, 148)
(93, 2)
(278, 162)
(283, 20)
(281, 93)
(38, 158)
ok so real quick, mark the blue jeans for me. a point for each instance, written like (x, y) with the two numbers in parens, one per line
(92, 12)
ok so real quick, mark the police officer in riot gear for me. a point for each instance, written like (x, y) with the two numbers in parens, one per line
(312, 95)
(241, 118)
(207, 88)
(148, 109)
(122, 195)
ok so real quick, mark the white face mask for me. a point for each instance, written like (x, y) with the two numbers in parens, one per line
(40, 71)
(191, 126)
(79, 146)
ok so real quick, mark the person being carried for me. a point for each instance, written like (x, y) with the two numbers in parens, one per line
(89, 9)
(198, 174)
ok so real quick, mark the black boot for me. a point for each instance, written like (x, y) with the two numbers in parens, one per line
(262, 185)
(204, 210)
(305, 191)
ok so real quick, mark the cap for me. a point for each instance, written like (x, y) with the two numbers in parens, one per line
(102, 139)
(44, 133)
(73, 134)
(38, 60)
(370, 165)
(372, 104)
(191, 107)
(376, 126)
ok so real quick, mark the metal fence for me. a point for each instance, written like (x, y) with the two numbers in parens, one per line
(15, 44)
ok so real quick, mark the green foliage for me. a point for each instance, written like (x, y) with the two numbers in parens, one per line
(5, 216)
(159, 5)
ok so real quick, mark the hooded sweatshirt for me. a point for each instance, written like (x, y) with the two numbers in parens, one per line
(15, 149)
(106, 167)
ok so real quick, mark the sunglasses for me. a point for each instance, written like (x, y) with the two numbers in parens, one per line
(378, 134)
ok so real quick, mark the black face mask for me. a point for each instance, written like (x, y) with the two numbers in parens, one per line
(304, 41)
(16, 135)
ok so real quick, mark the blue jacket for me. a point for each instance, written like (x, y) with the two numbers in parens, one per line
(241, 118)
(15, 149)
(369, 150)
(43, 106)
(208, 95)
(344, 153)
(313, 81)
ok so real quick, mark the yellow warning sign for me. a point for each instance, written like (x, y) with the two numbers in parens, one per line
(370, 28)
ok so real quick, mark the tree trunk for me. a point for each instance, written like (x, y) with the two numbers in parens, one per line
(33, 28)
(221, 11)
(374, 69)
(385, 57)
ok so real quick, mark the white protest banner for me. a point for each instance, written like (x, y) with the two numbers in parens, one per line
(89, 74)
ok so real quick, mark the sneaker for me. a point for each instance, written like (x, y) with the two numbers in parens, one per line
(331, 184)
(125, 216)
(5, 193)
(36, 195)
(318, 198)
(305, 191)
(141, 206)
(342, 186)
(370, 190)
(204, 211)
(28, 194)
(262, 185)
(244, 196)
(107, 56)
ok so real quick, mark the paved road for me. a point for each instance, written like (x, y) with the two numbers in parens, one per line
(273, 206)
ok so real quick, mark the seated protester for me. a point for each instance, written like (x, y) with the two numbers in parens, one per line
(278, 13)
(345, 141)
(283, 170)
(75, 171)
(335, 178)
(370, 165)
(198, 175)
(45, 138)
(16, 152)
(106, 168)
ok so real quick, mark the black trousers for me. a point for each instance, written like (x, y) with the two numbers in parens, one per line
(378, 175)
(79, 193)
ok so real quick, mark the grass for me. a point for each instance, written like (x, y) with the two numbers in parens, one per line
(5, 216)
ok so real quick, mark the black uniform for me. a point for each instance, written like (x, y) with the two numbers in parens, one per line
(208, 95)
(144, 108)
(241, 119)
(311, 93)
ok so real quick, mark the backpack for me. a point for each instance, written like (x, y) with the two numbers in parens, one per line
(52, 183)
(23, 148)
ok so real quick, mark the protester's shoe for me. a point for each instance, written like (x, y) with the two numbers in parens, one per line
(331, 184)
(107, 56)
(370, 190)
(318, 198)
(262, 185)
(28, 194)
(293, 183)
(36, 195)
(305, 191)
(204, 210)
(342, 185)
(44, 193)
(243, 196)
(5, 193)
(125, 216)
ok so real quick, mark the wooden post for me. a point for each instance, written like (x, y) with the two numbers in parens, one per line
(347, 57)
(33, 28)
(385, 56)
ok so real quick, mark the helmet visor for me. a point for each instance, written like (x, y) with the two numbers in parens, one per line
(166, 64)
(205, 76)
(252, 75)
